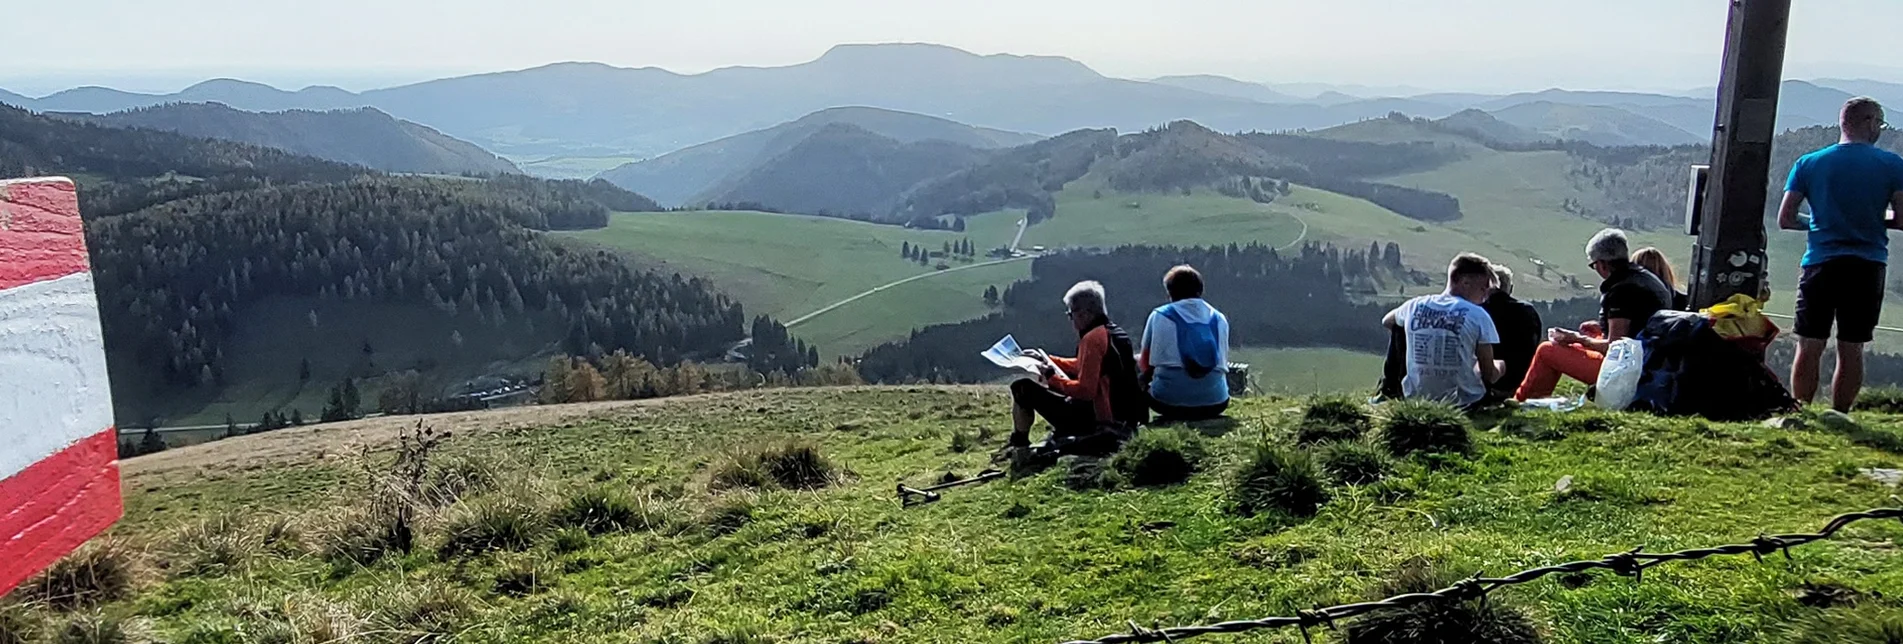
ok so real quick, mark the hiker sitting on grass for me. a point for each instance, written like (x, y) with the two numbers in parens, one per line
(1094, 390)
(1448, 338)
(1185, 354)
(1628, 298)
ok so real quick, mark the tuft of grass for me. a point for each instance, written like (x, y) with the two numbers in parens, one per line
(489, 524)
(101, 628)
(962, 441)
(1424, 427)
(1864, 623)
(1882, 400)
(1354, 463)
(729, 515)
(219, 545)
(598, 510)
(523, 577)
(361, 537)
(570, 540)
(1438, 622)
(18, 625)
(793, 465)
(1274, 479)
(1083, 473)
(1331, 419)
(105, 570)
(413, 613)
(452, 478)
(1159, 456)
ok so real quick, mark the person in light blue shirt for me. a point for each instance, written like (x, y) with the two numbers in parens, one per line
(1849, 186)
(1185, 354)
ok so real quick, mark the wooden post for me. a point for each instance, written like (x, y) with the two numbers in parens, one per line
(1729, 256)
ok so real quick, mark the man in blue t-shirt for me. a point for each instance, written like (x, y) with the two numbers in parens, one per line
(1185, 352)
(1848, 185)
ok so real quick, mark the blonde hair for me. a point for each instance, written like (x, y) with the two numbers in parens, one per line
(1654, 260)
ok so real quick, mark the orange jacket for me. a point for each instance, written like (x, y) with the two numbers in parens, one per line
(1087, 368)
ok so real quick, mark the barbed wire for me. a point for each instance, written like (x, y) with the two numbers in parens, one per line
(1632, 564)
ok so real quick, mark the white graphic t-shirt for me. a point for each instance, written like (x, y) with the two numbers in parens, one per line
(1441, 333)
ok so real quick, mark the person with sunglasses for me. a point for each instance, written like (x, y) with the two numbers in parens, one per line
(1628, 297)
(1849, 186)
(1082, 396)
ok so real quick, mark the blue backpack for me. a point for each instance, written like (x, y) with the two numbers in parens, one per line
(1196, 341)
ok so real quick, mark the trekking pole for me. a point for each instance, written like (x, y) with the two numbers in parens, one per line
(910, 496)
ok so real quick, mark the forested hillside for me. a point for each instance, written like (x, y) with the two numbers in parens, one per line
(845, 170)
(362, 136)
(175, 279)
(122, 170)
(1260, 289)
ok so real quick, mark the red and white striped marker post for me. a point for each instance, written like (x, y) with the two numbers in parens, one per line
(59, 468)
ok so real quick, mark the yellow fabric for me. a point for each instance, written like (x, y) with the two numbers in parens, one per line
(1742, 316)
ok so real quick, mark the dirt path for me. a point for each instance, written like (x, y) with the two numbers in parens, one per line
(828, 308)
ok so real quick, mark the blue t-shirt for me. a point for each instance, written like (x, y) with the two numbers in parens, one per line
(1848, 186)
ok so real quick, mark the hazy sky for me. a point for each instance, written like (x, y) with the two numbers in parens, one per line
(1488, 45)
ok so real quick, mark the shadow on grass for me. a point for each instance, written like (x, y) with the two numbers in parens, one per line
(1874, 437)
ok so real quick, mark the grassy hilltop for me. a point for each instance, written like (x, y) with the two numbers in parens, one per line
(264, 538)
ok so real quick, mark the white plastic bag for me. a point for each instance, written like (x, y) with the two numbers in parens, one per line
(1619, 375)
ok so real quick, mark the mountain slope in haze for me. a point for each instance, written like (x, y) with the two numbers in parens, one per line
(845, 170)
(1226, 86)
(677, 177)
(1598, 125)
(243, 95)
(1489, 128)
(362, 136)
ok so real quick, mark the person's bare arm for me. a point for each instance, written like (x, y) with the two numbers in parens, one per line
(1489, 368)
(1787, 211)
(1390, 320)
(1616, 328)
(1895, 222)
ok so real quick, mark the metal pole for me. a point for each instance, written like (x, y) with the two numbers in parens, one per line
(1729, 256)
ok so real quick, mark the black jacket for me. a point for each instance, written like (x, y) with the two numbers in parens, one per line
(1520, 333)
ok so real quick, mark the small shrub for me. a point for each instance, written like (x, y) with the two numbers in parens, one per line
(1422, 427)
(1354, 463)
(413, 613)
(598, 510)
(281, 535)
(728, 515)
(1317, 432)
(490, 524)
(1160, 456)
(215, 546)
(99, 628)
(1279, 480)
(1438, 622)
(302, 618)
(1884, 400)
(790, 465)
(98, 572)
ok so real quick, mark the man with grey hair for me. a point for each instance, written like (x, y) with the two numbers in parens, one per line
(1095, 391)
(1849, 186)
(1628, 297)
(1519, 326)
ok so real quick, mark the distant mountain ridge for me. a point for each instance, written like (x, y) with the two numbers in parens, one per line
(361, 136)
(698, 173)
(579, 109)
(845, 170)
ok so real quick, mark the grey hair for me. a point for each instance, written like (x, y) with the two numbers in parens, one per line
(1086, 296)
(1609, 246)
(1503, 276)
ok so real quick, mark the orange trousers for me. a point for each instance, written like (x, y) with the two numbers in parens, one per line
(1551, 361)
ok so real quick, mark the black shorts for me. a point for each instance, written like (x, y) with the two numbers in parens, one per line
(1846, 290)
(1068, 416)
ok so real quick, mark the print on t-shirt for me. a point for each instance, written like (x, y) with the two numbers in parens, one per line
(1442, 331)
